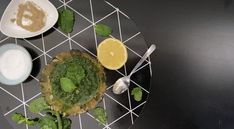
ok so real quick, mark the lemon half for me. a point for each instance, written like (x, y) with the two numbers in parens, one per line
(112, 54)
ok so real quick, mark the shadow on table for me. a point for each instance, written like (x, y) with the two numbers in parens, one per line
(36, 64)
(3, 122)
(51, 30)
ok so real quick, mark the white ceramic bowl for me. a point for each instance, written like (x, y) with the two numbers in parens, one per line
(7, 47)
(13, 30)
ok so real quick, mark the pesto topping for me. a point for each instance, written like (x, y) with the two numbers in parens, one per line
(82, 73)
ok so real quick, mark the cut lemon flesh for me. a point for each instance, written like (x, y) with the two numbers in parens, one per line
(112, 53)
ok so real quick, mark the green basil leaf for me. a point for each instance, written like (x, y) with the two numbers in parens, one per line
(47, 123)
(67, 85)
(103, 30)
(66, 123)
(66, 20)
(31, 122)
(38, 105)
(20, 119)
(137, 93)
(16, 117)
(46, 127)
(100, 114)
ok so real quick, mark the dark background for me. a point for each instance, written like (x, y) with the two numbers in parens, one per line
(193, 80)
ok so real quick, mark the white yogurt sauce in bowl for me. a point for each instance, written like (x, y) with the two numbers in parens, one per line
(15, 64)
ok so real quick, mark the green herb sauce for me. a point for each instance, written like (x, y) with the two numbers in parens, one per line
(83, 74)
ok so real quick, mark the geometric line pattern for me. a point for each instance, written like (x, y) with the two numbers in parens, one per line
(44, 56)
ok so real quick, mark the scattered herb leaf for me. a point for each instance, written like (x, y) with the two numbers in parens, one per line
(66, 123)
(100, 114)
(38, 105)
(67, 85)
(137, 93)
(47, 122)
(66, 20)
(103, 30)
(46, 127)
(52, 119)
(20, 119)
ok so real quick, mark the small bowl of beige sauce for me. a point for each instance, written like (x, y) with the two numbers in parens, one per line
(28, 18)
(16, 64)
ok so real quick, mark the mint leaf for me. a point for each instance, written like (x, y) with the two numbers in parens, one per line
(66, 20)
(66, 123)
(67, 85)
(31, 122)
(100, 114)
(137, 93)
(47, 123)
(20, 119)
(38, 105)
(52, 119)
(46, 127)
(17, 118)
(103, 30)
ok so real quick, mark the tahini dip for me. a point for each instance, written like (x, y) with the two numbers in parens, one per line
(14, 64)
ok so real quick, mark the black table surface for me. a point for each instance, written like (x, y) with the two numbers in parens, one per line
(193, 80)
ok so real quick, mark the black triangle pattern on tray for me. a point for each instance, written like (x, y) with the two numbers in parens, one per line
(122, 110)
